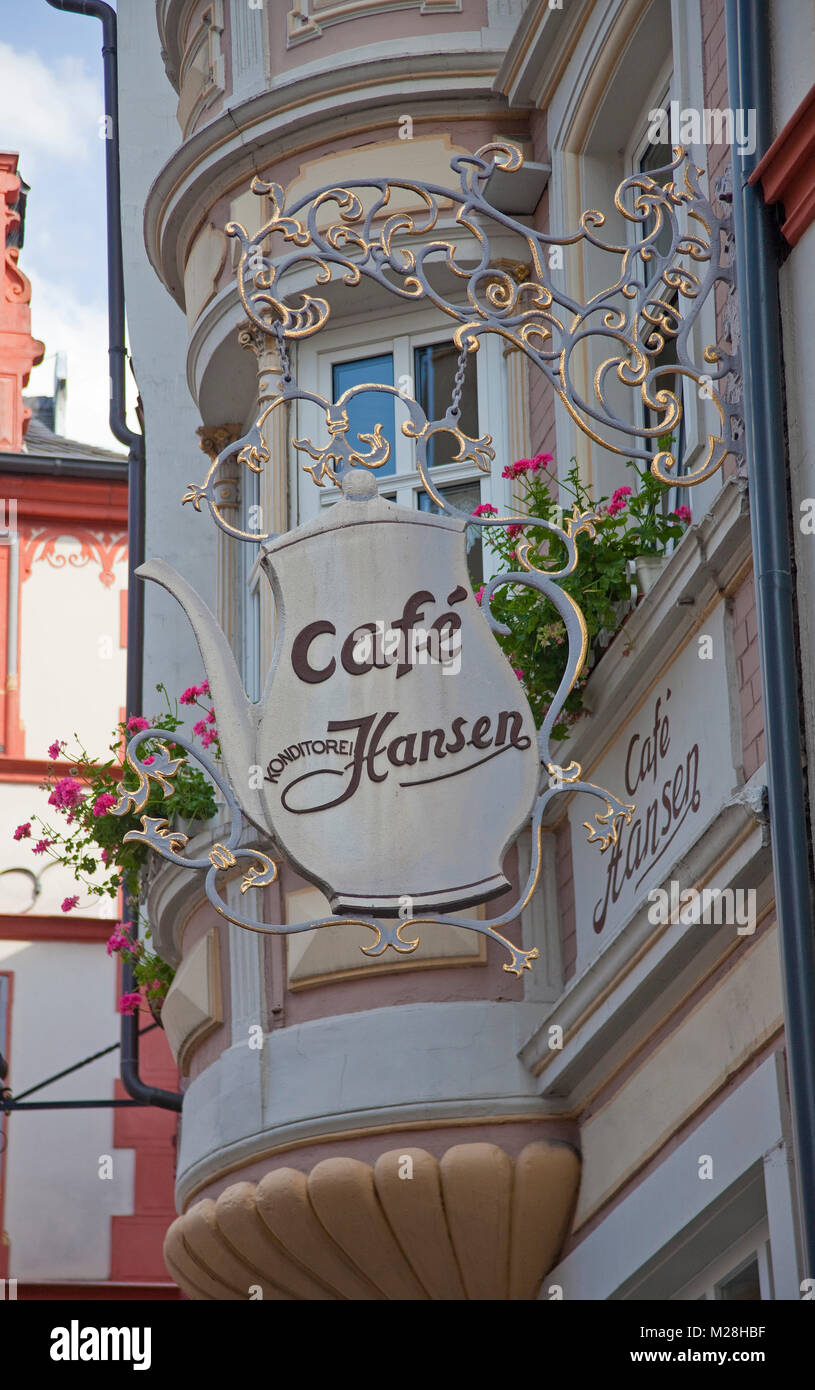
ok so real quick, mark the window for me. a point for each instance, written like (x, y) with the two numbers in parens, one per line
(465, 496)
(646, 156)
(372, 407)
(743, 1274)
(742, 1286)
(434, 370)
(597, 139)
(422, 362)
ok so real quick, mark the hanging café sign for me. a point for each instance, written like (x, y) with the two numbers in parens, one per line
(390, 718)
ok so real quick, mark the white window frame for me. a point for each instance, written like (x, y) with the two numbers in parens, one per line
(573, 177)
(400, 334)
(755, 1245)
(661, 95)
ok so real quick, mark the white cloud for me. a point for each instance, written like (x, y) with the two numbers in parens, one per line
(66, 324)
(47, 111)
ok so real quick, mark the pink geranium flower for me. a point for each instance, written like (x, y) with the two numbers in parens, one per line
(102, 803)
(209, 736)
(40, 847)
(486, 509)
(518, 673)
(539, 461)
(514, 470)
(200, 728)
(191, 694)
(479, 594)
(151, 759)
(119, 941)
(66, 794)
(683, 513)
(129, 1003)
(136, 723)
(55, 749)
(23, 832)
(514, 530)
(69, 903)
(619, 500)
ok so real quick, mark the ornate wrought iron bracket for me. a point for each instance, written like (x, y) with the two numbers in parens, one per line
(678, 255)
(225, 856)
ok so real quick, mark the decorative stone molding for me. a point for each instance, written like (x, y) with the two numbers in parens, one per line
(201, 74)
(214, 438)
(475, 1225)
(307, 18)
(253, 339)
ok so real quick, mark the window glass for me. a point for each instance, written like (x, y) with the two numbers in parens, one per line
(465, 496)
(742, 1287)
(370, 407)
(434, 368)
(656, 156)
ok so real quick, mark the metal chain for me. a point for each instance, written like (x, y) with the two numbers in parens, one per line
(277, 329)
(458, 383)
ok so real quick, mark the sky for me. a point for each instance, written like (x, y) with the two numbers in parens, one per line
(51, 110)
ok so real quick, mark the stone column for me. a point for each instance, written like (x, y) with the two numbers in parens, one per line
(274, 482)
(519, 433)
(213, 439)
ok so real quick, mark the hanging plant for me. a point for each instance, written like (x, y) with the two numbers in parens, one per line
(92, 843)
(630, 524)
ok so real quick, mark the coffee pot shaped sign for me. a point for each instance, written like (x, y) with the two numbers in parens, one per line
(393, 757)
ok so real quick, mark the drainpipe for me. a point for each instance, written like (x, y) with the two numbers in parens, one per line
(757, 248)
(117, 354)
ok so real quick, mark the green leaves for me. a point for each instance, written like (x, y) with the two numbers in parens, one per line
(90, 840)
(633, 523)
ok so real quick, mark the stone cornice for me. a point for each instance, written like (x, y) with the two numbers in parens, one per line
(223, 157)
(787, 171)
(539, 49)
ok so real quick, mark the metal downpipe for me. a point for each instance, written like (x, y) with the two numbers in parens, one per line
(757, 243)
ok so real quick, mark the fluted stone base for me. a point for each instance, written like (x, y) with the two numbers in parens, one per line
(475, 1224)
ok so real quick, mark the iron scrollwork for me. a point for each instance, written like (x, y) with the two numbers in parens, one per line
(654, 300)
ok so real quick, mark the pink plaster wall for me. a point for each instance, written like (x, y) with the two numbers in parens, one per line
(397, 26)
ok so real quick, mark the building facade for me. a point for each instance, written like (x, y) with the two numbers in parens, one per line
(615, 1124)
(85, 1194)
